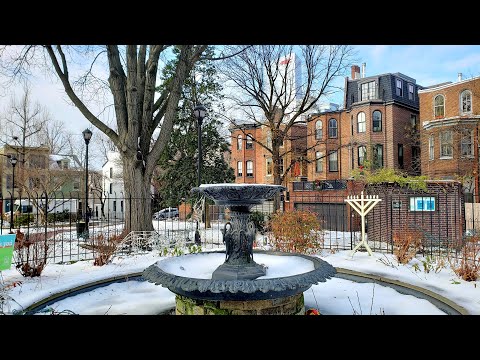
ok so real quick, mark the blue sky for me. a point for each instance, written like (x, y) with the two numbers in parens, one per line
(428, 64)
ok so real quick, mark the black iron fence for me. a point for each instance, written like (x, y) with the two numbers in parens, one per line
(439, 216)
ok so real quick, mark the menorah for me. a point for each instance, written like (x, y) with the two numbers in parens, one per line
(362, 205)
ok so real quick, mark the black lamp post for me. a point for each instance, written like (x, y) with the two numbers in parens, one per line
(200, 112)
(87, 135)
(13, 161)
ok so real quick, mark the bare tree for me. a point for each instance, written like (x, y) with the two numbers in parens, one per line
(270, 91)
(53, 135)
(132, 81)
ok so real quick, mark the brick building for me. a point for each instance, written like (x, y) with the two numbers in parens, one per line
(449, 114)
(379, 122)
(253, 163)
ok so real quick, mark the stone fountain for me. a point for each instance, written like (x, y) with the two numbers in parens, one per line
(239, 285)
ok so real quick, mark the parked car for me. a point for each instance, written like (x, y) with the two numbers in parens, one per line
(166, 213)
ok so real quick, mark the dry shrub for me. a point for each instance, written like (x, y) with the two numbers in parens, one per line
(467, 264)
(296, 231)
(31, 253)
(407, 244)
(104, 248)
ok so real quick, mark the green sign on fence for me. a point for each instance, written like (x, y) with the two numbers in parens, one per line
(7, 243)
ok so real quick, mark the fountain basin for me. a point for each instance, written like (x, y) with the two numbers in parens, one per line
(280, 281)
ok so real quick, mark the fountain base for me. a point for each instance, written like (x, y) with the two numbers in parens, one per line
(290, 305)
(239, 272)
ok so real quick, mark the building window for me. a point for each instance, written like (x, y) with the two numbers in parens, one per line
(111, 188)
(466, 102)
(249, 168)
(319, 130)
(413, 121)
(280, 166)
(333, 161)
(269, 139)
(111, 173)
(9, 182)
(76, 185)
(239, 142)
(353, 158)
(361, 122)
(319, 161)
(377, 121)
(362, 151)
(332, 128)
(249, 143)
(431, 147)
(399, 87)
(422, 203)
(439, 106)
(121, 206)
(377, 153)
(446, 144)
(367, 91)
(114, 205)
(269, 165)
(466, 143)
(351, 124)
(411, 92)
(400, 156)
(239, 168)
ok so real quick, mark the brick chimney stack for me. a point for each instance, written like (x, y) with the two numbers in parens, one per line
(355, 72)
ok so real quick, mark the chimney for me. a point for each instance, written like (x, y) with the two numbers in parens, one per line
(355, 72)
(459, 76)
(364, 65)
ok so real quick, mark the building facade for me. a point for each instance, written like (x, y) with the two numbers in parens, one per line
(449, 115)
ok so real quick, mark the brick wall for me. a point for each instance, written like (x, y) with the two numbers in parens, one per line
(443, 226)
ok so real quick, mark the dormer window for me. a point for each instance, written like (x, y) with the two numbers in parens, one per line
(367, 91)
(399, 87)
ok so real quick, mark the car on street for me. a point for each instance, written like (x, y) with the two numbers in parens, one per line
(166, 213)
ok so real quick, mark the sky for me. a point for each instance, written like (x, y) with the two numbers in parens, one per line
(336, 296)
(428, 64)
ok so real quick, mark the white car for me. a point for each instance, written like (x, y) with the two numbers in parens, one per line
(166, 213)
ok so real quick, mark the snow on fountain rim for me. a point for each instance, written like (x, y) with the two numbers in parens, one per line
(201, 266)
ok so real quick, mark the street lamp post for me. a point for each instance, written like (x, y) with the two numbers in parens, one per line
(13, 161)
(200, 112)
(87, 135)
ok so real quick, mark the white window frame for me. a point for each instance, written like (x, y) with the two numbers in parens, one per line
(249, 166)
(333, 159)
(462, 108)
(411, 92)
(239, 142)
(319, 130)
(435, 106)
(361, 120)
(422, 203)
(446, 144)
(249, 142)
(239, 169)
(379, 129)
(319, 160)
(361, 153)
(367, 91)
(399, 89)
(331, 128)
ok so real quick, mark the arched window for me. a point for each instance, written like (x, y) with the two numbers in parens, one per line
(332, 128)
(377, 120)
(239, 142)
(439, 103)
(466, 102)
(361, 122)
(319, 130)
